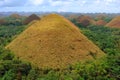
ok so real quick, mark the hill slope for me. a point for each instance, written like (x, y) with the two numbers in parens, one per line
(115, 23)
(16, 16)
(85, 20)
(101, 23)
(54, 42)
(31, 18)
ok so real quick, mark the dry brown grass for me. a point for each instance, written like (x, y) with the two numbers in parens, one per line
(115, 23)
(16, 16)
(54, 42)
(100, 16)
(85, 20)
(31, 18)
(2, 21)
(70, 17)
(101, 23)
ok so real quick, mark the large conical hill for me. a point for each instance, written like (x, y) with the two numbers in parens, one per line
(54, 42)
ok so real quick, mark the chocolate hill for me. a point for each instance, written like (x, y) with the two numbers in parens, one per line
(85, 20)
(16, 16)
(101, 23)
(72, 16)
(54, 42)
(100, 16)
(115, 23)
(2, 21)
(31, 18)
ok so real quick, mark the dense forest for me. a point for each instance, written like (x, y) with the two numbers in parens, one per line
(107, 68)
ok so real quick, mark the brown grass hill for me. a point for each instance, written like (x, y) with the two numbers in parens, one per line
(101, 23)
(115, 23)
(54, 42)
(2, 21)
(100, 16)
(31, 18)
(85, 20)
(72, 16)
(15, 16)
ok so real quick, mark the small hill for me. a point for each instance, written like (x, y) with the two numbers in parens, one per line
(100, 16)
(31, 18)
(114, 23)
(72, 16)
(85, 20)
(2, 21)
(54, 42)
(15, 16)
(101, 23)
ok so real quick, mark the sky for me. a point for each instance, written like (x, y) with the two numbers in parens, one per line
(82, 6)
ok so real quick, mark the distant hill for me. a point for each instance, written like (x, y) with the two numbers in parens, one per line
(2, 21)
(85, 20)
(115, 23)
(101, 23)
(31, 18)
(15, 16)
(54, 42)
(100, 16)
(72, 16)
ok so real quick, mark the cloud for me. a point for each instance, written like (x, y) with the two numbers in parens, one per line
(34, 2)
(12, 3)
(59, 2)
(62, 5)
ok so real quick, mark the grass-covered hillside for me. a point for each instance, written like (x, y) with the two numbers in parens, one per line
(108, 68)
(54, 42)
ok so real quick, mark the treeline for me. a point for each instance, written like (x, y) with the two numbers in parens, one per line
(6, 21)
(108, 39)
(8, 33)
(12, 68)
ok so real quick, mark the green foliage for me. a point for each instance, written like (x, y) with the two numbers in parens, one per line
(12, 68)
(107, 19)
(12, 21)
(8, 33)
(104, 69)
(33, 74)
(108, 68)
(2, 70)
(107, 39)
(9, 75)
(6, 55)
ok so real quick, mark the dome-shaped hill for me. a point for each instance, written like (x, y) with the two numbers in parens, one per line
(100, 16)
(101, 23)
(72, 16)
(2, 21)
(115, 23)
(31, 18)
(54, 42)
(16, 16)
(85, 20)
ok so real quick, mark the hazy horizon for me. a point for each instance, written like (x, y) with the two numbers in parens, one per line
(75, 6)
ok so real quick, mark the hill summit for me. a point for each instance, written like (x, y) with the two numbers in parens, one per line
(101, 23)
(85, 20)
(15, 16)
(54, 42)
(31, 18)
(115, 23)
